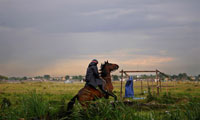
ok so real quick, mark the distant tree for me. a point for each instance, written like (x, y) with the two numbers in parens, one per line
(47, 77)
(182, 76)
(115, 77)
(3, 77)
(144, 76)
(38, 77)
(174, 77)
(24, 78)
(152, 76)
(12, 78)
(67, 77)
(80, 77)
(198, 77)
(185, 76)
(189, 78)
(161, 76)
(74, 77)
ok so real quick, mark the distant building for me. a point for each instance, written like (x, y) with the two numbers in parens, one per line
(63, 78)
(122, 79)
(194, 78)
(56, 78)
(68, 81)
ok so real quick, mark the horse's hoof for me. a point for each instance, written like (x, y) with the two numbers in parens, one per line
(115, 98)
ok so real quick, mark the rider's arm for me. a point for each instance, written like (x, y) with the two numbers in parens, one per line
(95, 71)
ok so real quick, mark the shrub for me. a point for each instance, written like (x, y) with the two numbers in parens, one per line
(5, 104)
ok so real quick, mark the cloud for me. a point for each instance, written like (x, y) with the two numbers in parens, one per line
(111, 13)
(96, 16)
(39, 53)
(148, 61)
(78, 64)
(39, 36)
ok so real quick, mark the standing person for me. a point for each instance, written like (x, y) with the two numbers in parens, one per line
(92, 77)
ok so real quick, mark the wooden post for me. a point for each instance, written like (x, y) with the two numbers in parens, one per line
(141, 87)
(157, 82)
(167, 86)
(148, 87)
(152, 86)
(122, 72)
(160, 85)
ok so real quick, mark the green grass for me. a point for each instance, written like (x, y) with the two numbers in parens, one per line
(44, 100)
(103, 110)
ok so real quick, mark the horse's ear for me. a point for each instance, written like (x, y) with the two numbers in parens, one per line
(107, 61)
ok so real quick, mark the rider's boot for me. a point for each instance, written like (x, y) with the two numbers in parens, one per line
(107, 93)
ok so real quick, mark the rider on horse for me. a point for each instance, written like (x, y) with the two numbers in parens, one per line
(92, 77)
(89, 91)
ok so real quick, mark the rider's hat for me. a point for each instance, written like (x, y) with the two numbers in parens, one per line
(95, 61)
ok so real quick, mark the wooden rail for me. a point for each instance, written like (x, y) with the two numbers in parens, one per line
(158, 86)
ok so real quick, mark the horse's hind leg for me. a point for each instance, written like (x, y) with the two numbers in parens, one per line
(84, 104)
(84, 99)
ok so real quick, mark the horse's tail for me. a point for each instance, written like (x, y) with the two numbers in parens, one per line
(71, 104)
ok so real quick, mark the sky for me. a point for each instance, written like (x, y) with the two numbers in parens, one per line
(61, 37)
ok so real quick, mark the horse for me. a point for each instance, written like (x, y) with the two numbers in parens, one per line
(88, 93)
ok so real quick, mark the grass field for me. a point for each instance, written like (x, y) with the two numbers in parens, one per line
(41, 99)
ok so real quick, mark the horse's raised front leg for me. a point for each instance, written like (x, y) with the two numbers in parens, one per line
(113, 95)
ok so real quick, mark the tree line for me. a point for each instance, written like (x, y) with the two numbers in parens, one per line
(179, 77)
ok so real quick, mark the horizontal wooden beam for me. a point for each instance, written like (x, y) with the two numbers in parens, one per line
(139, 71)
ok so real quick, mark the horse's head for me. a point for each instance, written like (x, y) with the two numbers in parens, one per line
(107, 67)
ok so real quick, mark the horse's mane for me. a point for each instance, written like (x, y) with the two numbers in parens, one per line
(103, 72)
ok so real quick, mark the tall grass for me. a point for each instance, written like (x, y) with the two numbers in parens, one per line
(190, 111)
(104, 110)
(16, 103)
(33, 105)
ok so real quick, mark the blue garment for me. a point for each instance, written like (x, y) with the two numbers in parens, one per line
(129, 92)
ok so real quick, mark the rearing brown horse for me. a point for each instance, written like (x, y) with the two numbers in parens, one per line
(89, 93)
